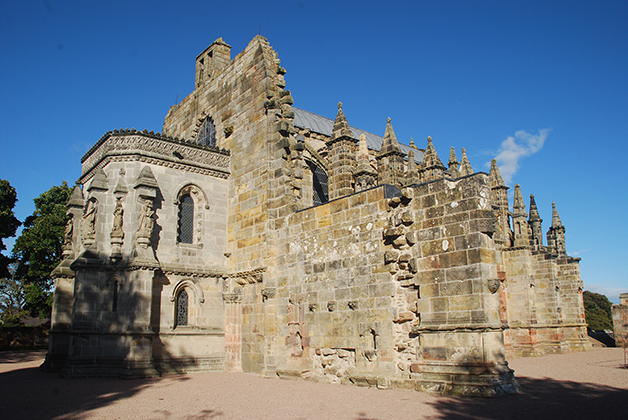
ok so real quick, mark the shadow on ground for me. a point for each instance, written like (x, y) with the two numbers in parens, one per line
(28, 393)
(543, 398)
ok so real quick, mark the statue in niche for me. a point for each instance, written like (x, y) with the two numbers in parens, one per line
(118, 214)
(146, 219)
(68, 233)
(89, 220)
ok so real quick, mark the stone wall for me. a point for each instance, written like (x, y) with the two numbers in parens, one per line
(620, 321)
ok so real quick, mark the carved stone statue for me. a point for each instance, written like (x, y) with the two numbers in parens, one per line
(89, 223)
(68, 233)
(118, 214)
(146, 219)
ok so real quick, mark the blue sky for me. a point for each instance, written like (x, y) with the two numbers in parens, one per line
(543, 85)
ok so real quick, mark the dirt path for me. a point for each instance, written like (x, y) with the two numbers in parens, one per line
(570, 386)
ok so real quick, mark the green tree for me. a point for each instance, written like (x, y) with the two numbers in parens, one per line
(38, 250)
(8, 222)
(12, 301)
(597, 309)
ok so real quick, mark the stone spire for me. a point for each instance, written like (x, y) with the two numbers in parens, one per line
(556, 233)
(499, 198)
(556, 223)
(432, 168)
(412, 174)
(365, 177)
(342, 148)
(465, 165)
(453, 163)
(390, 143)
(341, 126)
(519, 222)
(390, 159)
(495, 177)
(536, 239)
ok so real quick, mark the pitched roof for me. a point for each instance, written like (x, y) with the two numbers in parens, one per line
(323, 125)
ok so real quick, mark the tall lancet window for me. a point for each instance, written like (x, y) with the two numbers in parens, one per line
(319, 184)
(186, 219)
(182, 309)
(207, 133)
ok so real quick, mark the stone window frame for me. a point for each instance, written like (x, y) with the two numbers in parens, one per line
(201, 125)
(195, 299)
(201, 203)
(312, 163)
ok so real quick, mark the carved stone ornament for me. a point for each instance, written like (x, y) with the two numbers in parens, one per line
(232, 297)
(268, 293)
(493, 285)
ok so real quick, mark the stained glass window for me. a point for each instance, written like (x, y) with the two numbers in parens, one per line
(207, 133)
(182, 309)
(186, 219)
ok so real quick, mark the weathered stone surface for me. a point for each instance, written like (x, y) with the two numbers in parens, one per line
(219, 249)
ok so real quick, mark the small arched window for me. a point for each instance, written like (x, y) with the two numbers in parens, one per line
(182, 309)
(320, 193)
(207, 133)
(186, 219)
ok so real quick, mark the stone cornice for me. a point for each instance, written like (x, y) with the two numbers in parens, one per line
(160, 151)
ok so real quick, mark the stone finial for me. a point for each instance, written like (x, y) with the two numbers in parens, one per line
(495, 178)
(341, 126)
(412, 145)
(534, 211)
(363, 149)
(390, 143)
(556, 233)
(412, 174)
(431, 159)
(365, 176)
(555, 217)
(534, 221)
(453, 163)
(465, 165)
(518, 205)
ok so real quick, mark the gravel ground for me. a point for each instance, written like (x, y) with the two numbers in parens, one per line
(568, 386)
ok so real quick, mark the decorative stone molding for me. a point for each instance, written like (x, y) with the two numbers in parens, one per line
(192, 285)
(179, 155)
(249, 277)
(232, 297)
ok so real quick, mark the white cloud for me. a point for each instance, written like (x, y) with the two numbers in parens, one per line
(515, 147)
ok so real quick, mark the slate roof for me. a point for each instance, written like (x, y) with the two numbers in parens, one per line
(323, 125)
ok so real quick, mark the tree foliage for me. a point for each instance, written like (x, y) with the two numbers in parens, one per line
(8, 222)
(12, 302)
(38, 250)
(597, 309)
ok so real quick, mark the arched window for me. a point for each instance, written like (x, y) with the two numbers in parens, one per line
(186, 219)
(319, 183)
(182, 309)
(207, 133)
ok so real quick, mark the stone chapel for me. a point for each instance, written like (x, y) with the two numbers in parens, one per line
(251, 235)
